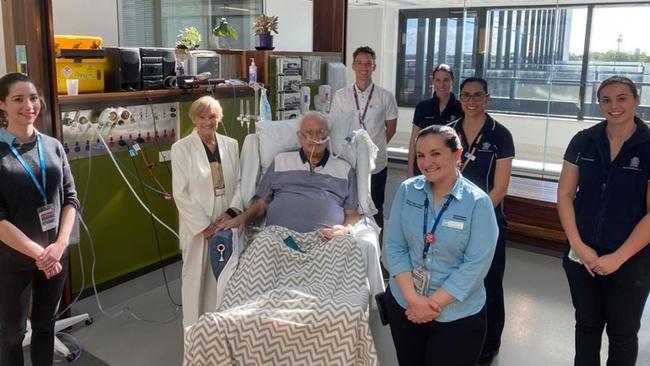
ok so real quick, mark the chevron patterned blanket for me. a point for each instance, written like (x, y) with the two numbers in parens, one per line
(283, 306)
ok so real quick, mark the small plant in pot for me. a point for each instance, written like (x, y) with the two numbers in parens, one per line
(224, 33)
(263, 27)
(188, 39)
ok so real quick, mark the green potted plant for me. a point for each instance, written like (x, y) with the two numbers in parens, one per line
(263, 27)
(188, 38)
(224, 33)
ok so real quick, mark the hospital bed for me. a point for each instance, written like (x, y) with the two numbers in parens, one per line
(287, 325)
(346, 142)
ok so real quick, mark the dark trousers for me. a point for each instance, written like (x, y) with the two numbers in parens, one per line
(495, 305)
(378, 192)
(614, 303)
(14, 305)
(456, 343)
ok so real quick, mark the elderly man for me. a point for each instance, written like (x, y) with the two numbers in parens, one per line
(305, 190)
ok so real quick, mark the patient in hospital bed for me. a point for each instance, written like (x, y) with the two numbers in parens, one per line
(300, 293)
(305, 190)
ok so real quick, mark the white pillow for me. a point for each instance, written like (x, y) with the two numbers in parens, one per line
(276, 137)
(280, 136)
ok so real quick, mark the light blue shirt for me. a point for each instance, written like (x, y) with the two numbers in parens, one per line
(465, 242)
(7, 137)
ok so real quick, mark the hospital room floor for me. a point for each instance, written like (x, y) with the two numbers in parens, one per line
(538, 330)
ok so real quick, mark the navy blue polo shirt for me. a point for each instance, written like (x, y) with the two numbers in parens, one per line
(495, 143)
(611, 196)
(427, 112)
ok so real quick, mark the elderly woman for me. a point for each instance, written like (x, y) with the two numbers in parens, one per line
(436, 301)
(205, 175)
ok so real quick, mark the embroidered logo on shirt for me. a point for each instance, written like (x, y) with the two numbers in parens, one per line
(485, 146)
(634, 164)
(414, 204)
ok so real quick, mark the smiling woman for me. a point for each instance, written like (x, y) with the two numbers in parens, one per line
(603, 200)
(35, 224)
(205, 178)
(436, 301)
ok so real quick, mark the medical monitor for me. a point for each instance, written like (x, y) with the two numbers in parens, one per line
(201, 61)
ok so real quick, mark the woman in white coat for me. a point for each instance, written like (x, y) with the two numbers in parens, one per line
(205, 178)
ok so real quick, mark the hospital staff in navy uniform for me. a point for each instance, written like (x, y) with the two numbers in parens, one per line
(487, 162)
(603, 201)
(441, 109)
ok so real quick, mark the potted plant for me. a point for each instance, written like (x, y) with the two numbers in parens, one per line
(263, 27)
(188, 38)
(224, 33)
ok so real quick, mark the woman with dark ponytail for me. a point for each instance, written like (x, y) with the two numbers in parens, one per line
(37, 209)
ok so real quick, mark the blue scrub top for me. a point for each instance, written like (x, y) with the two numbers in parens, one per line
(465, 242)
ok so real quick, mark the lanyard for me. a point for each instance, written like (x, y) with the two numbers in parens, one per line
(362, 117)
(470, 157)
(40, 186)
(428, 239)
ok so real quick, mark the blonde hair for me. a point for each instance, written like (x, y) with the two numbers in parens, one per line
(205, 104)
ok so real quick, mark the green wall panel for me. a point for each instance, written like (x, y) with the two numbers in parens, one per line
(122, 231)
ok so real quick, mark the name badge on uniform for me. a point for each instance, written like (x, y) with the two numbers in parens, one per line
(458, 225)
(470, 156)
(47, 217)
(421, 281)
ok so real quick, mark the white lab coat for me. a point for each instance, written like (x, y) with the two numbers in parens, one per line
(197, 207)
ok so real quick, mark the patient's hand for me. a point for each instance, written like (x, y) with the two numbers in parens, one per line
(336, 230)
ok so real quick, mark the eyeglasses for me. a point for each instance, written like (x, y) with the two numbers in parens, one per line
(477, 97)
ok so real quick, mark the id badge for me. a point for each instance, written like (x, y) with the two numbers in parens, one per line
(47, 217)
(421, 280)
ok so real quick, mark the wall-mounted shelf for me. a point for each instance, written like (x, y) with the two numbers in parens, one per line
(99, 100)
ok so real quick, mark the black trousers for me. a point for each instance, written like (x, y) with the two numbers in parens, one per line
(378, 193)
(14, 305)
(456, 343)
(495, 305)
(614, 303)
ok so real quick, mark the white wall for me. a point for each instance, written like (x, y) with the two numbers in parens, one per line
(295, 24)
(87, 17)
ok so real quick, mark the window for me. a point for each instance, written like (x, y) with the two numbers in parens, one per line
(529, 60)
(618, 48)
(537, 60)
(429, 38)
(156, 23)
